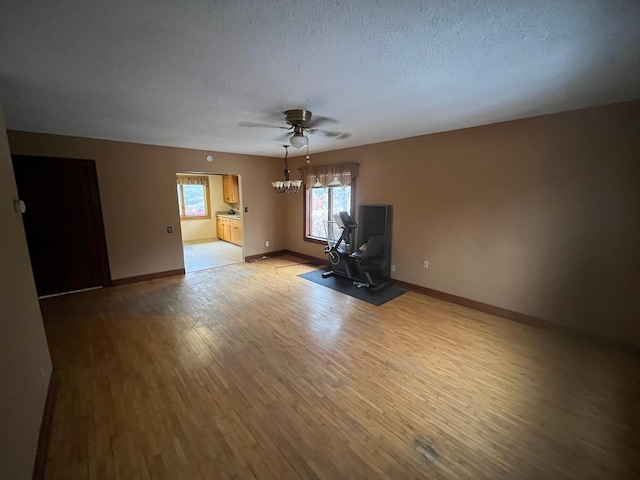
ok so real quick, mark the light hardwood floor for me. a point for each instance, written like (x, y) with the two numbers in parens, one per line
(249, 371)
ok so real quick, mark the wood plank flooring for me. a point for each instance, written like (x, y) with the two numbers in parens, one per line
(248, 371)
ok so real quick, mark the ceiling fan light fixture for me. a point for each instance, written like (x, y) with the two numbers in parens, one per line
(298, 140)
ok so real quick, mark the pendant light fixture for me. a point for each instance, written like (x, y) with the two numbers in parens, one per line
(288, 186)
(334, 183)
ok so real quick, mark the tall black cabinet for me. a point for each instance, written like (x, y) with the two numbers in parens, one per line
(376, 220)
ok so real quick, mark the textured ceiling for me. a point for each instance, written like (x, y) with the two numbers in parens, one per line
(187, 73)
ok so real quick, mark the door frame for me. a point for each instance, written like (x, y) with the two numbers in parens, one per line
(240, 201)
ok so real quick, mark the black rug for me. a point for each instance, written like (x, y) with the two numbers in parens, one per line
(340, 284)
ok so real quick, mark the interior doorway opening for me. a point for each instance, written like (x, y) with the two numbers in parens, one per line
(211, 219)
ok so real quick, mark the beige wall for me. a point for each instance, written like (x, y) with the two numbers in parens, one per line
(204, 229)
(25, 366)
(217, 196)
(139, 200)
(540, 216)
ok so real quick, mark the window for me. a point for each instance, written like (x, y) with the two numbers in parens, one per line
(322, 201)
(193, 197)
(322, 204)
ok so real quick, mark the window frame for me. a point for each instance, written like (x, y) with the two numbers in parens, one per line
(307, 218)
(207, 204)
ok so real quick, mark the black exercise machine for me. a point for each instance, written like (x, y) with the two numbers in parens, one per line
(340, 255)
(369, 265)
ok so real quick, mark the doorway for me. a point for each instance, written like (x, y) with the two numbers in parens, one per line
(210, 220)
(63, 223)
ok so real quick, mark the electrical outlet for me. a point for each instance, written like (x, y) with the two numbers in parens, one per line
(266, 244)
(169, 229)
(426, 264)
(393, 268)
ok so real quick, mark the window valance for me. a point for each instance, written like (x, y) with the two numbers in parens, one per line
(322, 175)
(192, 180)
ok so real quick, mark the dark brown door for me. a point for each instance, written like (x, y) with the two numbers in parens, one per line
(63, 223)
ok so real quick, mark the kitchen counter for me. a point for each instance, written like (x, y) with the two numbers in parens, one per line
(228, 215)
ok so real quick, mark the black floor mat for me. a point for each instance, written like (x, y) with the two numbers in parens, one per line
(344, 285)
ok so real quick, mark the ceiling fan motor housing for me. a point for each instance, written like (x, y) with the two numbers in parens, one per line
(300, 118)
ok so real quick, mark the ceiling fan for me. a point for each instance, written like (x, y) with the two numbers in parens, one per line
(301, 122)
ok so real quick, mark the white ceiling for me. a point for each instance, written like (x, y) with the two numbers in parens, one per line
(186, 73)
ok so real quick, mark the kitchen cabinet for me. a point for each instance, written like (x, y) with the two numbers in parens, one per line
(235, 227)
(219, 229)
(230, 189)
(222, 229)
(229, 229)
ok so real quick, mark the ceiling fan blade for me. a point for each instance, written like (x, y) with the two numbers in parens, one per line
(327, 133)
(256, 124)
(319, 120)
(284, 136)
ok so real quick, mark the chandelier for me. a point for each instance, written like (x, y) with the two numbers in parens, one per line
(288, 186)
